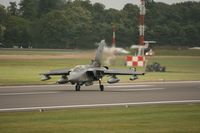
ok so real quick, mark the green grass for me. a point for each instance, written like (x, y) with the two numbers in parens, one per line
(37, 51)
(177, 52)
(184, 118)
(21, 72)
(178, 68)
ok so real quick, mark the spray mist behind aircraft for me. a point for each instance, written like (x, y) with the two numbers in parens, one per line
(113, 51)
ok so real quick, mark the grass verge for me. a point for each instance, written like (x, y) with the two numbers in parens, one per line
(180, 118)
(26, 71)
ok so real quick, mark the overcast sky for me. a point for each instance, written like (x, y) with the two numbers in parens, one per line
(117, 4)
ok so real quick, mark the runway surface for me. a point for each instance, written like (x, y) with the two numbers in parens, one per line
(23, 98)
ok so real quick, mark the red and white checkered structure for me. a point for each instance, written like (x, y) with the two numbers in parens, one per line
(135, 61)
(139, 61)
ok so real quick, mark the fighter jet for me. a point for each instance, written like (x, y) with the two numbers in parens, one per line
(87, 74)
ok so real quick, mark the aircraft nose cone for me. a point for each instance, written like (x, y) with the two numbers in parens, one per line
(74, 77)
(71, 78)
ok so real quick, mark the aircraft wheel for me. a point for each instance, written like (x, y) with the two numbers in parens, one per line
(78, 87)
(101, 87)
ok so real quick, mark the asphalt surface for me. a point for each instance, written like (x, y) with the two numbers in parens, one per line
(24, 98)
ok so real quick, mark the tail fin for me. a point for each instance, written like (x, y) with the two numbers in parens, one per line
(99, 53)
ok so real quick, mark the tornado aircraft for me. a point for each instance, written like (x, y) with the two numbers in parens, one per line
(87, 74)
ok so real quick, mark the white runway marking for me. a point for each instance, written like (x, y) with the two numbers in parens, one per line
(127, 86)
(145, 89)
(98, 105)
(30, 86)
(26, 93)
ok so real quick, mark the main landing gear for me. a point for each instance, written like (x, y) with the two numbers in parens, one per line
(101, 86)
(78, 86)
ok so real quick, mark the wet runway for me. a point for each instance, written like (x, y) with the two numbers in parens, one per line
(20, 98)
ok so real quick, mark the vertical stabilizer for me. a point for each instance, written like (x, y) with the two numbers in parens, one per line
(99, 53)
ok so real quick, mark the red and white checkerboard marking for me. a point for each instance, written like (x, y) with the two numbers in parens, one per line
(133, 61)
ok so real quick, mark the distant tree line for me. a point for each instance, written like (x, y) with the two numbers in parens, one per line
(79, 24)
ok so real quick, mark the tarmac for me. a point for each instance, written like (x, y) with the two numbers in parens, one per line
(46, 97)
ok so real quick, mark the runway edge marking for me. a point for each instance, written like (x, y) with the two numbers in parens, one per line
(97, 105)
(135, 83)
(26, 93)
(145, 89)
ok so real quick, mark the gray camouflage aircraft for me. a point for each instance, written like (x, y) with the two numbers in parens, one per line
(87, 74)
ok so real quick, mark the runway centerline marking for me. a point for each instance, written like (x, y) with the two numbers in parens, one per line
(26, 93)
(98, 105)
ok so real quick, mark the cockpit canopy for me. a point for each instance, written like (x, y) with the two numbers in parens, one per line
(79, 68)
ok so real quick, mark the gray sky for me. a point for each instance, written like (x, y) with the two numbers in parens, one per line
(117, 4)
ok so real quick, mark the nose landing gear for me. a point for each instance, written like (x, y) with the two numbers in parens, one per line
(78, 87)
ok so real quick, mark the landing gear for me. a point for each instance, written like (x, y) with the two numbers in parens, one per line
(101, 86)
(78, 87)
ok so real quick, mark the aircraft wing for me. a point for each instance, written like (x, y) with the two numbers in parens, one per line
(57, 72)
(116, 71)
(122, 72)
